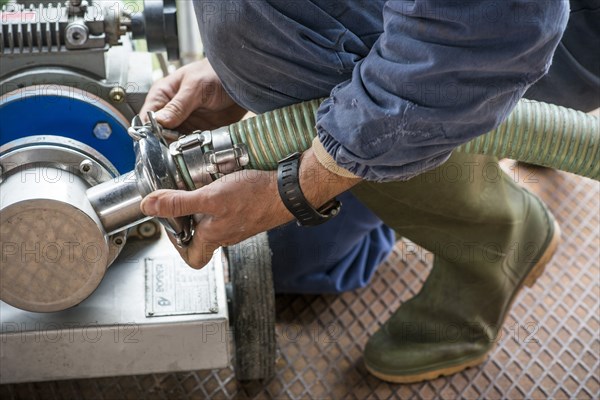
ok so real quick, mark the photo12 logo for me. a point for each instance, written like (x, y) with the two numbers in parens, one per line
(70, 332)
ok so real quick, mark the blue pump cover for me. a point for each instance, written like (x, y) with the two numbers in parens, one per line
(67, 116)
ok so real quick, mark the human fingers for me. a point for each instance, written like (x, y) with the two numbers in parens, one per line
(200, 251)
(160, 94)
(175, 203)
(178, 108)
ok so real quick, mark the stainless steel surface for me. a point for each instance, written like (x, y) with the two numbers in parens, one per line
(173, 288)
(76, 34)
(109, 334)
(58, 152)
(55, 34)
(63, 27)
(225, 157)
(188, 153)
(64, 49)
(203, 155)
(121, 66)
(185, 164)
(92, 61)
(54, 249)
(156, 170)
(54, 252)
(46, 28)
(117, 203)
(159, 166)
(86, 167)
(148, 229)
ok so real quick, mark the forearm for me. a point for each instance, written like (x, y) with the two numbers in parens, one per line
(319, 184)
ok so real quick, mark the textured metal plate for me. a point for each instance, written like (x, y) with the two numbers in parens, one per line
(549, 346)
(53, 255)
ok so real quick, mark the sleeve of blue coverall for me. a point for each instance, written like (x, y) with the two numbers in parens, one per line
(441, 73)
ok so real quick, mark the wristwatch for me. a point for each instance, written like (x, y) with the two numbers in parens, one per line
(288, 184)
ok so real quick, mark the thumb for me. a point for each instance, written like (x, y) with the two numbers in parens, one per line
(176, 111)
(172, 203)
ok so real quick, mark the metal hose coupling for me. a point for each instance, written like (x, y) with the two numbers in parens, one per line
(188, 163)
(218, 156)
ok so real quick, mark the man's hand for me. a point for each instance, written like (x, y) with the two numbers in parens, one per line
(192, 98)
(240, 205)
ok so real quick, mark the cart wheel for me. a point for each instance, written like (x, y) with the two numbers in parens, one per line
(253, 310)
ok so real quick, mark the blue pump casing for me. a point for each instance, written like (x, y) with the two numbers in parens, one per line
(70, 115)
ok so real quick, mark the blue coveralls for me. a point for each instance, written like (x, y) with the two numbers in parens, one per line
(407, 81)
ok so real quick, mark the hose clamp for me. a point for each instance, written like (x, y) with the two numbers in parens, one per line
(195, 140)
(225, 157)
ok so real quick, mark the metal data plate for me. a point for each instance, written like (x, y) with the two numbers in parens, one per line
(173, 288)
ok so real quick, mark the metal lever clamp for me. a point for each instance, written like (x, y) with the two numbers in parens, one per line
(155, 170)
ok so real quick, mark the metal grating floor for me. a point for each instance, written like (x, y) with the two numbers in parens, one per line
(549, 348)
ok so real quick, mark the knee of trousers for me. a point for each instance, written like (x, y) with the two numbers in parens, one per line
(266, 60)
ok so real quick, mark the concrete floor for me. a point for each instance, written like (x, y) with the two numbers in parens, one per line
(549, 348)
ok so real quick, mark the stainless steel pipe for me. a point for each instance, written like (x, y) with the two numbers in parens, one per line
(117, 203)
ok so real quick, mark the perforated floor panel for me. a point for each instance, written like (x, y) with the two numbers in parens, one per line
(549, 347)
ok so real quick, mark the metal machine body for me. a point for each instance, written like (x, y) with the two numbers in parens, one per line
(145, 317)
(65, 107)
(70, 80)
(53, 252)
(87, 91)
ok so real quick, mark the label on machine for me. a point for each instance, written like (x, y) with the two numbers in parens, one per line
(173, 288)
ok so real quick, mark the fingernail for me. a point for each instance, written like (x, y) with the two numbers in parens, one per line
(163, 116)
(149, 206)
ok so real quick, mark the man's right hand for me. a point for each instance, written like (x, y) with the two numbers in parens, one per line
(192, 98)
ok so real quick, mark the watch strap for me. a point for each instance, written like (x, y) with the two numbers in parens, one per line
(288, 184)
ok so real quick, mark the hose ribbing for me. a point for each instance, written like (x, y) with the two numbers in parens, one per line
(545, 134)
(535, 132)
(272, 136)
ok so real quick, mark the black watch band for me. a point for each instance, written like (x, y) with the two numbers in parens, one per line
(288, 184)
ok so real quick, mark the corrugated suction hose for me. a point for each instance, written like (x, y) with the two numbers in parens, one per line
(535, 133)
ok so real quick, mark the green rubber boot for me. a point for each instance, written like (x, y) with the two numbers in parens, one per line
(489, 237)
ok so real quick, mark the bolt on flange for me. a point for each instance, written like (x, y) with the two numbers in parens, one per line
(102, 130)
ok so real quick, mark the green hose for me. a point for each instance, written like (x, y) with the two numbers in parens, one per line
(535, 133)
(272, 136)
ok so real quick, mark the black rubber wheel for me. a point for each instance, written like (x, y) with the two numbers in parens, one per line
(253, 310)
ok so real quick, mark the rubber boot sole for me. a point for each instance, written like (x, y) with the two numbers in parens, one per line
(529, 281)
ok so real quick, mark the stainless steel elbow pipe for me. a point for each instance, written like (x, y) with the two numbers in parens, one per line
(188, 163)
